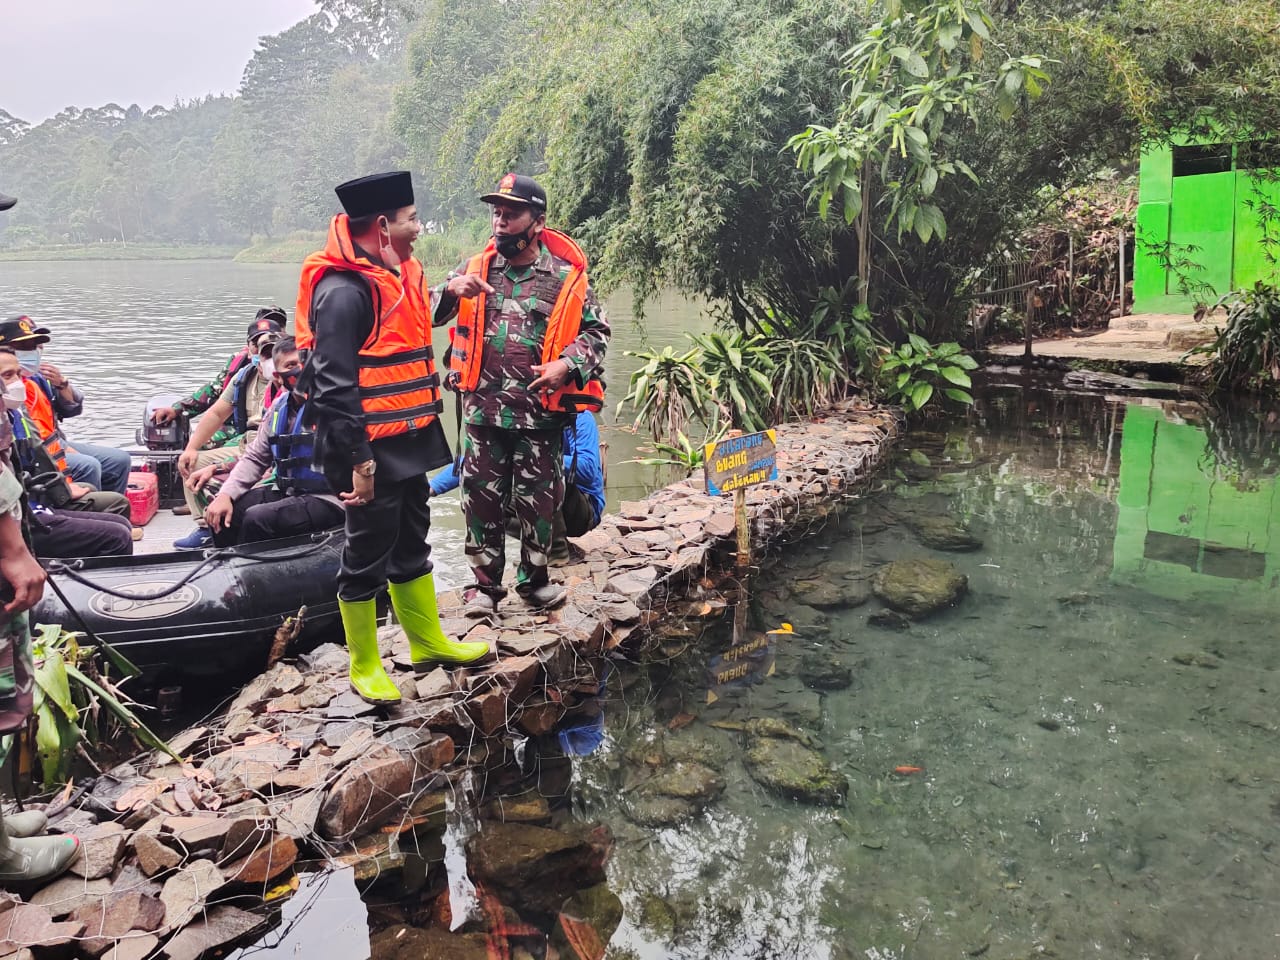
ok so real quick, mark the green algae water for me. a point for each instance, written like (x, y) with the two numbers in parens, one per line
(1094, 724)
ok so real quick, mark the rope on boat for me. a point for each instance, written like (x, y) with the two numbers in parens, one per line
(211, 557)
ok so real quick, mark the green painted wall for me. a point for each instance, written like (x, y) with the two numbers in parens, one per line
(1209, 211)
(1183, 531)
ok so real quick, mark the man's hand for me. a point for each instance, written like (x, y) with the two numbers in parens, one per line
(21, 571)
(78, 490)
(162, 415)
(187, 461)
(53, 375)
(218, 514)
(202, 476)
(361, 491)
(551, 376)
(467, 285)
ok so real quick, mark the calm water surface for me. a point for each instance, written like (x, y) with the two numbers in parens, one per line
(1095, 722)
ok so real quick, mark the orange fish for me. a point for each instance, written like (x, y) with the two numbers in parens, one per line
(906, 770)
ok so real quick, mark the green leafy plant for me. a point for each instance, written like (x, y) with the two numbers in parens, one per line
(75, 700)
(807, 375)
(739, 368)
(913, 373)
(667, 391)
(681, 452)
(1245, 353)
(916, 85)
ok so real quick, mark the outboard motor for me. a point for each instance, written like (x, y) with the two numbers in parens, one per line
(163, 444)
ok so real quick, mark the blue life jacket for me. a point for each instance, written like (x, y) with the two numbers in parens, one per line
(292, 446)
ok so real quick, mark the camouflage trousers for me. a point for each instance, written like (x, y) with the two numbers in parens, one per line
(17, 678)
(517, 467)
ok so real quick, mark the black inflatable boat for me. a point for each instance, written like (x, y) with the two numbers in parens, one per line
(196, 614)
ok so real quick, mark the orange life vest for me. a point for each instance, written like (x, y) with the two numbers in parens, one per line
(40, 411)
(399, 386)
(466, 338)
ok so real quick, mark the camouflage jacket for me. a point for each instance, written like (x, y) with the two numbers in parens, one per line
(515, 323)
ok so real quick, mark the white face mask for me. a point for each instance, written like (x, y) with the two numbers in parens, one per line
(266, 368)
(15, 395)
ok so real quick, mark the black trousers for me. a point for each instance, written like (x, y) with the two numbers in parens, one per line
(264, 513)
(81, 533)
(386, 538)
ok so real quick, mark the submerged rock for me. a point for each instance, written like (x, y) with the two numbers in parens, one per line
(674, 795)
(539, 866)
(920, 586)
(825, 672)
(941, 532)
(831, 594)
(791, 769)
(889, 620)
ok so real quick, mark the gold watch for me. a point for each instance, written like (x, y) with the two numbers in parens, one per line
(365, 469)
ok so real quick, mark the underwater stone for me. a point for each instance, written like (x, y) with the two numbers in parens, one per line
(788, 768)
(920, 586)
(943, 533)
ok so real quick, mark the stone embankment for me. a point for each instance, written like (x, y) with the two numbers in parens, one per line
(298, 770)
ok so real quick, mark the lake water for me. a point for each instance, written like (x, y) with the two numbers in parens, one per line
(1089, 737)
(126, 331)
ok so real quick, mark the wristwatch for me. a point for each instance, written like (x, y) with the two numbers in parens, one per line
(365, 469)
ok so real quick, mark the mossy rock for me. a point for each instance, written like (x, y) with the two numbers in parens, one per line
(940, 532)
(920, 586)
(792, 770)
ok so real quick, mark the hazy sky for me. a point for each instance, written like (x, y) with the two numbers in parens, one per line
(85, 53)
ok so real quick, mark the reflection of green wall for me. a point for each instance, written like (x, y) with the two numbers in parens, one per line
(1214, 212)
(1181, 531)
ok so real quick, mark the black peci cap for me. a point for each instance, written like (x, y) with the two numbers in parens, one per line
(515, 188)
(376, 193)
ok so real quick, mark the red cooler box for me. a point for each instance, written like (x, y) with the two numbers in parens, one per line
(144, 497)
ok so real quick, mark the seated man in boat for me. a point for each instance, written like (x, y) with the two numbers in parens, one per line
(297, 499)
(269, 321)
(99, 466)
(68, 519)
(240, 408)
(583, 502)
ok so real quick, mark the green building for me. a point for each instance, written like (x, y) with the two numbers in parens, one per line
(1201, 195)
(1188, 530)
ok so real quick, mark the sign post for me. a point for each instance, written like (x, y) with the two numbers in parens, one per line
(735, 463)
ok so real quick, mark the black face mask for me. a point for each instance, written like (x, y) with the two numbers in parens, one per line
(514, 244)
(290, 380)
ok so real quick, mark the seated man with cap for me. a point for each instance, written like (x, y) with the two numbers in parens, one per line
(267, 321)
(296, 499)
(99, 466)
(240, 409)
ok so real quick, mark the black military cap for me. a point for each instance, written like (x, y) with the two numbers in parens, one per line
(17, 330)
(515, 188)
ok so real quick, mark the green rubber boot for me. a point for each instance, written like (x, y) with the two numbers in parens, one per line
(34, 860)
(368, 677)
(415, 606)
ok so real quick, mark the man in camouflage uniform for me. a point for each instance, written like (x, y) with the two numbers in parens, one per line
(268, 321)
(24, 859)
(511, 451)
